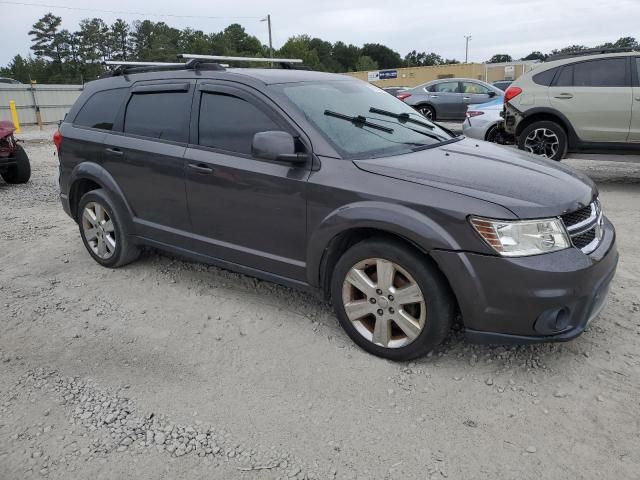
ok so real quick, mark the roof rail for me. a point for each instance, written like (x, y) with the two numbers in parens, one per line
(589, 51)
(216, 58)
(125, 67)
(142, 64)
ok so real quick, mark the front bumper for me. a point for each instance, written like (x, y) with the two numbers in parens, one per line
(518, 300)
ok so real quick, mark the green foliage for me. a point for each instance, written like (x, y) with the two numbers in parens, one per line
(500, 58)
(63, 56)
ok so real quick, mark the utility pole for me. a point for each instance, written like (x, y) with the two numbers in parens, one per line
(466, 50)
(268, 20)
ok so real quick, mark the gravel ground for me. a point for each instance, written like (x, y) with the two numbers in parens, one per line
(172, 369)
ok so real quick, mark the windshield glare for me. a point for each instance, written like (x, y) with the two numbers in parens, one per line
(355, 98)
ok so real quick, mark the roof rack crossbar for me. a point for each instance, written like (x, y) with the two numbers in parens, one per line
(142, 64)
(216, 58)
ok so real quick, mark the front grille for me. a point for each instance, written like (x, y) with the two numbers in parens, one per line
(576, 217)
(584, 239)
(585, 227)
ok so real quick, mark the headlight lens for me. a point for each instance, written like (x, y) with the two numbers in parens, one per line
(523, 237)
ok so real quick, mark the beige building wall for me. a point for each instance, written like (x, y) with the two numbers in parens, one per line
(410, 77)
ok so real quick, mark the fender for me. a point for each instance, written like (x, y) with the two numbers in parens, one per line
(395, 219)
(93, 171)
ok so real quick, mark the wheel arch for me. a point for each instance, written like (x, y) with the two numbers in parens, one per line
(88, 176)
(548, 114)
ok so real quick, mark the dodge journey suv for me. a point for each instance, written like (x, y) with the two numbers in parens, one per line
(325, 183)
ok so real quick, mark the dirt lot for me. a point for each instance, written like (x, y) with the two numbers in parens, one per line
(170, 369)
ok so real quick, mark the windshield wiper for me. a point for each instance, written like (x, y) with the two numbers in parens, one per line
(403, 117)
(358, 121)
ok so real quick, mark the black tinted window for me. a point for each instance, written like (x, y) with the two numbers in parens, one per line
(163, 115)
(565, 78)
(101, 109)
(545, 78)
(608, 72)
(229, 123)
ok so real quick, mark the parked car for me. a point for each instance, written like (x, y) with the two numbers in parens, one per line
(483, 121)
(581, 102)
(320, 182)
(10, 81)
(449, 98)
(395, 90)
(502, 84)
(14, 162)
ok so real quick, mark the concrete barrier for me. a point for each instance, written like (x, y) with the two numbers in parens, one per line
(44, 103)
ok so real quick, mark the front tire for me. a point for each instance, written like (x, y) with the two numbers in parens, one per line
(391, 301)
(103, 230)
(545, 138)
(21, 171)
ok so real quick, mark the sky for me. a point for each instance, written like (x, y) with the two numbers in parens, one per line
(514, 27)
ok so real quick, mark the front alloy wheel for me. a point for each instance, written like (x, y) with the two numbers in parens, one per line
(99, 230)
(384, 303)
(426, 111)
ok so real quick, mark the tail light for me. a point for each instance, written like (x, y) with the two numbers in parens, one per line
(57, 139)
(403, 96)
(474, 113)
(511, 93)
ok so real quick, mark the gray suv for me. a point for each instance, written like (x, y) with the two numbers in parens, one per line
(585, 101)
(327, 184)
(449, 98)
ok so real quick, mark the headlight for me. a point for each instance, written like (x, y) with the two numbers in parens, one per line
(522, 237)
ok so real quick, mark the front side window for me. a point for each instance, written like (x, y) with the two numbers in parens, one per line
(101, 109)
(229, 123)
(161, 115)
(341, 110)
(474, 88)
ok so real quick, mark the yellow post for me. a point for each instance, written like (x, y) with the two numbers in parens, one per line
(14, 115)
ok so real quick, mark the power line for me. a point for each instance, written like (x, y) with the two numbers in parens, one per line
(116, 12)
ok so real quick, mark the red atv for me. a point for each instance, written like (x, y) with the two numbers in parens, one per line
(14, 163)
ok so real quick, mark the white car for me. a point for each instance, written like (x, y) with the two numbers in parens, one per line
(482, 121)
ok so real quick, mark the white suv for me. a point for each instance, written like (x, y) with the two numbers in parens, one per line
(585, 101)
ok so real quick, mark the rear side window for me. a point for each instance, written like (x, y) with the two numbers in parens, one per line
(608, 72)
(565, 78)
(101, 109)
(445, 87)
(229, 123)
(161, 115)
(545, 78)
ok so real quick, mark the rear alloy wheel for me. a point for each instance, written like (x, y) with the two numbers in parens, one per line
(547, 139)
(390, 299)
(99, 230)
(427, 112)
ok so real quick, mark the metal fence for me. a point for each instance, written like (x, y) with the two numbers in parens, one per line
(53, 101)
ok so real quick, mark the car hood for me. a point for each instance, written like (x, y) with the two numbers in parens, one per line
(529, 186)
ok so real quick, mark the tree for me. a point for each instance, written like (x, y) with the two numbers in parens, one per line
(346, 56)
(46, 40)
(94, 40)
(119, 43)
(366, 63)
(382, 55)
(535, 55)
(500, 58)
(299, 47)
(623, 42)
(422, 59)
(569, 49)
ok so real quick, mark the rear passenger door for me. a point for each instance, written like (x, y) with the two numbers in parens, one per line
(244, 210)
(474, 93)
(147, 158)
(596, 97)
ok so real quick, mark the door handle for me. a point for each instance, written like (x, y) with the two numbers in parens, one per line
(114, 151)
(434, 96)
(466, 98)
(566, 96)
(200, 168)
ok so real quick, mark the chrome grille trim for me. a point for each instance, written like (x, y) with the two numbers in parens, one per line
(593, 222)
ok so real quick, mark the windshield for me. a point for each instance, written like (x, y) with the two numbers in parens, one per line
(361, 120)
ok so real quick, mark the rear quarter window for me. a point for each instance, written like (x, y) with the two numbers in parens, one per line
(545, 78)
(101, 109)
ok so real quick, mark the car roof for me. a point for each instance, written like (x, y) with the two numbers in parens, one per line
(539, 67)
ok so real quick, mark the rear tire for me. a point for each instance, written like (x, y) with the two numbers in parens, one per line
(21, 171)
(103, 230)
(544, 138)
(492, 135)
(427, 111)
(403, 308)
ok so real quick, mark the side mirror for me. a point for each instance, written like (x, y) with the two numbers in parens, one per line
(276, 145)
(492, 94)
